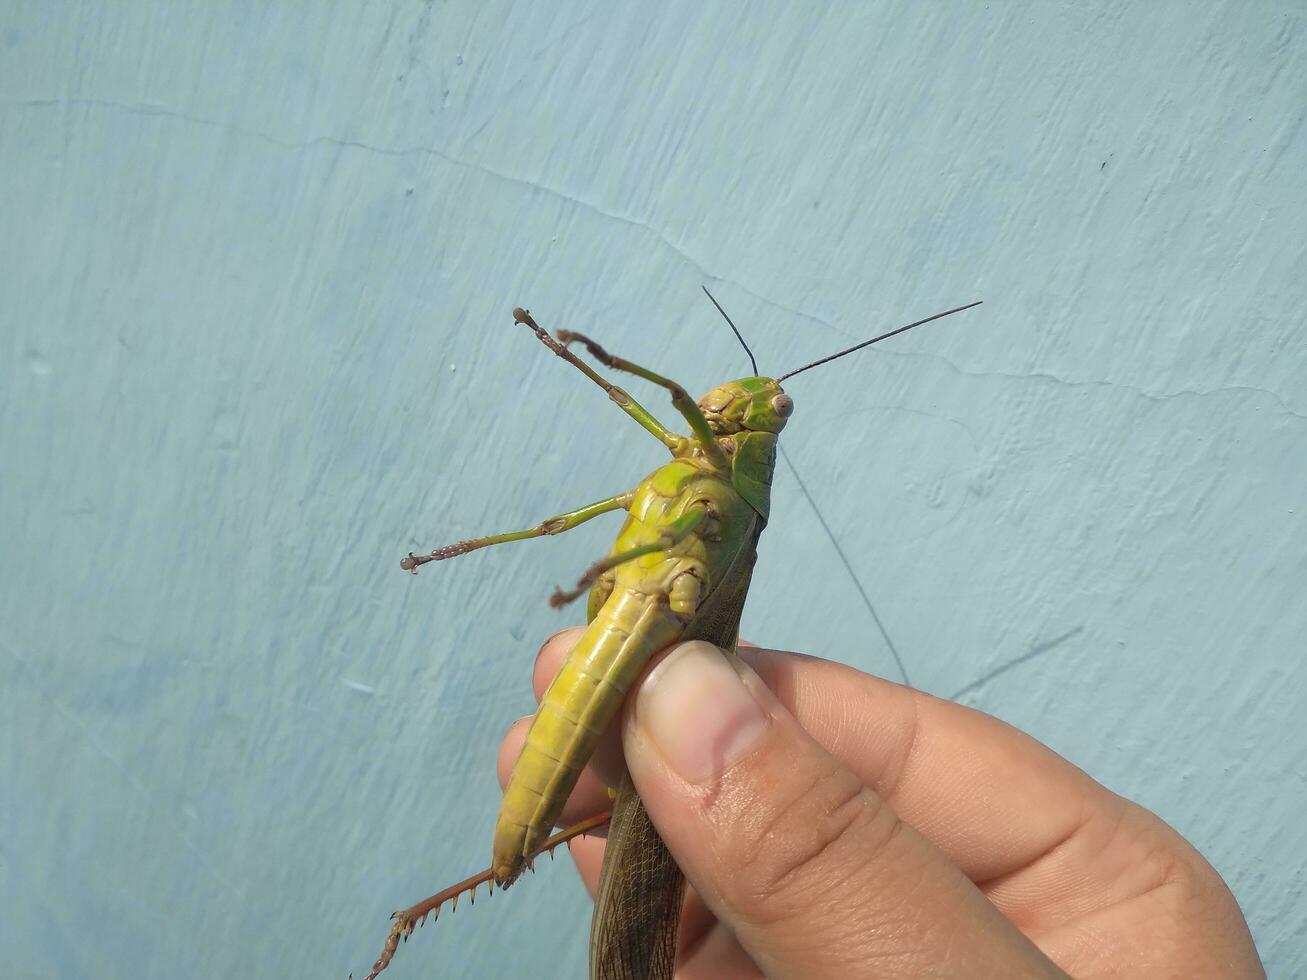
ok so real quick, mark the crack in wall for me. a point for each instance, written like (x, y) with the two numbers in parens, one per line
(149, 109)
(1034, 653)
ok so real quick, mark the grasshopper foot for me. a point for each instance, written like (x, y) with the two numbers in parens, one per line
(402, 929)
(560, 598)
(412, 561)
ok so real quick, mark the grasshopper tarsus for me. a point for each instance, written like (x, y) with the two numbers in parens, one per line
(411, 561)
(569, 337)
(524, 317)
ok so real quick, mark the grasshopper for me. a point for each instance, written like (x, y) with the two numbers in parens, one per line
(679, 570)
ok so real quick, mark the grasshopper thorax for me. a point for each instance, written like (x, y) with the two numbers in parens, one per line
(752, 404)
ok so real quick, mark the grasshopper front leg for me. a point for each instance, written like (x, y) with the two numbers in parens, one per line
(676, 443)
(681, 399)
(553, 525)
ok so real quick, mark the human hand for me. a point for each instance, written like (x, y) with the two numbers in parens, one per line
(833, 824)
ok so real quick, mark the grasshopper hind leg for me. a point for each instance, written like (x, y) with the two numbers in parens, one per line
(406, 920)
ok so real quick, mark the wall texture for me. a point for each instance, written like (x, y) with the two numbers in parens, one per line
(257, 269)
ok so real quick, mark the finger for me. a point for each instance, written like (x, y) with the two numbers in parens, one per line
(815, 873)
(1045, 843)
(944, 767)
(714, 953)
(992, 798)
(1016, 817)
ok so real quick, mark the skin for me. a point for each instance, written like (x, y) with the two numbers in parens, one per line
(834, 824)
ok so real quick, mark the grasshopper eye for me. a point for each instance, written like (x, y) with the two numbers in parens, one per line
(782, 405)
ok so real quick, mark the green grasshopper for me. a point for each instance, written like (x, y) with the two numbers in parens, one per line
(679, 570)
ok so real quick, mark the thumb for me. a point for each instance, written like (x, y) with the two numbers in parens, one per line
(813, 872)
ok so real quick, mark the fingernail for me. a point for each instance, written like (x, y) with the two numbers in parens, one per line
(696, 710)
(558, 637)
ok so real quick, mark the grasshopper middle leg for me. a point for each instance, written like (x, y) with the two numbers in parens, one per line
(554, 525)
(675, 532)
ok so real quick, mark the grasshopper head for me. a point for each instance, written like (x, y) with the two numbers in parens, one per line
(752, 404)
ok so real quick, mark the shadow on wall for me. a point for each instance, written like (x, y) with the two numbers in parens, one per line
(1036, 651)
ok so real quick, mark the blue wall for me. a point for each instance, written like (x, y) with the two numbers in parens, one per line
(257, 271)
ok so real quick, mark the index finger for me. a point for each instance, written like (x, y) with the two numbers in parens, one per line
(988, 795)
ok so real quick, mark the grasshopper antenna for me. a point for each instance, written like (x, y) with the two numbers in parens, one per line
(734, 328)
(873, 340)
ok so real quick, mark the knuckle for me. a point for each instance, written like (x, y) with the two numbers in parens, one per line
(828, 829)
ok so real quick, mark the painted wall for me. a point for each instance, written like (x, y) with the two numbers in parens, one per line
(257, 269)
